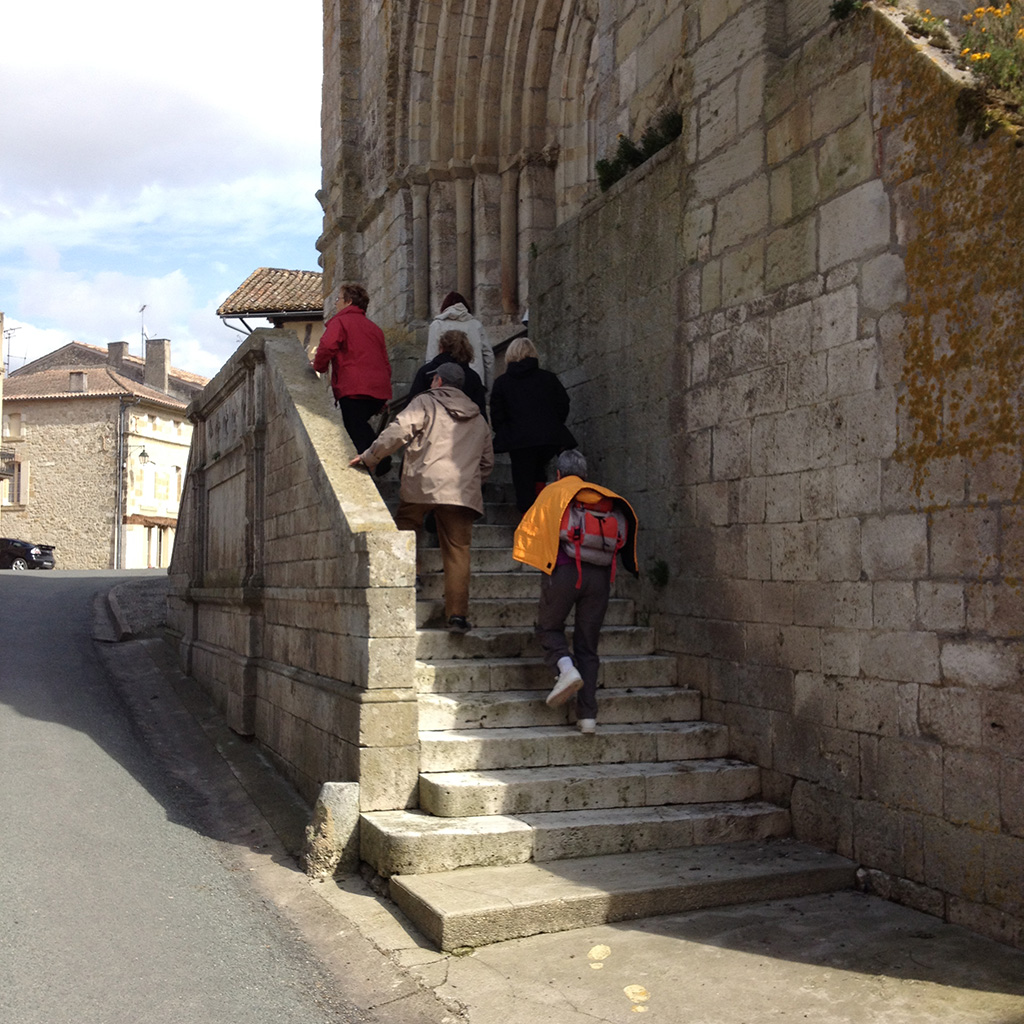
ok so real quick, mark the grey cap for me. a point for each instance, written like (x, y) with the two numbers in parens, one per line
(451, 374)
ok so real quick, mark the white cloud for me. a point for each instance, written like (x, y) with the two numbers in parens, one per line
(153, 156)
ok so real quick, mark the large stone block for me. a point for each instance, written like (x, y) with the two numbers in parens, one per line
(981, 665)
(388, 777)
(902, 772)
(962, 541)
(895, 547)
(911, 657)
(971, 789)
(955, 859)
(822, 817)
(854, 225)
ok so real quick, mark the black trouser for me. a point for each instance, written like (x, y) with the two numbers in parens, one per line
(529, 466)
(356, 413)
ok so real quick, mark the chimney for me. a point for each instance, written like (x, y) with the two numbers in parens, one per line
(158, 363)
(78, 383)
(116, 351)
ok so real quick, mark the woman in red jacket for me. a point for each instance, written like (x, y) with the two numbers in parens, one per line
(353, 347)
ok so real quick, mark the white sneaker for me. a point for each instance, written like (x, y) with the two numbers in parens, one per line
(566, 685)
(587, 725)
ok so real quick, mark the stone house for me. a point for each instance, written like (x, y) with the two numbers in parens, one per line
(291, 299)
(99, 446)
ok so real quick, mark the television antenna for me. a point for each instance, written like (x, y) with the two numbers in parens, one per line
(142, 328)
(8, 331)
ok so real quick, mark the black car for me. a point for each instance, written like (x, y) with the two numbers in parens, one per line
(19, 554)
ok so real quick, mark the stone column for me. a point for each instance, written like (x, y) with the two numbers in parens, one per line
(464, 236)
(510, 240)
(420, 249)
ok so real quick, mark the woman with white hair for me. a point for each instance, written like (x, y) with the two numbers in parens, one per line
(529, 408)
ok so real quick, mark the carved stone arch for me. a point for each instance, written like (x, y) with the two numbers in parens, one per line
(402, 65)
(513, 83)
(468, 78)
(492, 77)
(445, 78)
(424, 29)
(538, 132)
(572, 104)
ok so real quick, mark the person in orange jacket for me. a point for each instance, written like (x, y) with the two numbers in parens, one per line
(574, 577)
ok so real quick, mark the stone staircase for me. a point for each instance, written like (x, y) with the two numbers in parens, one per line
(526, 825)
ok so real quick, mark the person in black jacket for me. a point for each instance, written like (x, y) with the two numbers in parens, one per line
(454, 348)
(529, 408)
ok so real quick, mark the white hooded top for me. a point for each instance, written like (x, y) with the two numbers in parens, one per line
(458, 318)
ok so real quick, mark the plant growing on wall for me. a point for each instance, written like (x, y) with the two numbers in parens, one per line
(628, 154)
(993, 49)
(840, 10)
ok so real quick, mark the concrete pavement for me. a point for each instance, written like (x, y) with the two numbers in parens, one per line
(832, 959)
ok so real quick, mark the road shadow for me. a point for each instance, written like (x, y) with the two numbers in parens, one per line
(70, 661)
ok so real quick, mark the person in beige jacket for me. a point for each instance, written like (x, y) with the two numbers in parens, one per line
(448, 455)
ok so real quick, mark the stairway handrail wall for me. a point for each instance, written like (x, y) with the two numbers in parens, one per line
(292, 591)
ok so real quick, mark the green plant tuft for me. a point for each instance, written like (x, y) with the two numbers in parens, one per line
(840, 10)
(658, 573)
(628, 154)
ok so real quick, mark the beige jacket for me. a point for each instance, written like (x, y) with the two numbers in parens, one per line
(448, 453)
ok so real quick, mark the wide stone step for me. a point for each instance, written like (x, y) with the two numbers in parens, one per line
(481, 559)
(476, 906)
(463, 675)
(489, 710)
(508, 585)
(577, 787)
(496, 642)
(513, 612)
(464, 750)
(411, 842)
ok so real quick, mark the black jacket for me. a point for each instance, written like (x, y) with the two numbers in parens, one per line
(474, 386)
(529, 408)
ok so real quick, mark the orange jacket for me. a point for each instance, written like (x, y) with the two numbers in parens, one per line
(536, 539)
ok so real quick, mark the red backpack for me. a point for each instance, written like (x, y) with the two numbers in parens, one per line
(592, 533)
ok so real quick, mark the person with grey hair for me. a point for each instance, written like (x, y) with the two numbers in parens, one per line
(448, 455)
(575, 533)
(529, 407)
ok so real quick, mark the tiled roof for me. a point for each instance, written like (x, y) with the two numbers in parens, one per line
(77, 354)
(269, 290)
(102, 382)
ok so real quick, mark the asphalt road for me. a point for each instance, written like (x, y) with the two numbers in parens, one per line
(117, 904)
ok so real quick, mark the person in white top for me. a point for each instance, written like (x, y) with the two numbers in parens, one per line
(456, 315)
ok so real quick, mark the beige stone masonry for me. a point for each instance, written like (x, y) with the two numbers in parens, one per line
(293, 597)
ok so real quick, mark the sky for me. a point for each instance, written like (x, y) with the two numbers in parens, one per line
(152, 155)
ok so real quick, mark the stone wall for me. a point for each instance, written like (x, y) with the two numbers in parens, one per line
(292, 591)
(793, 339)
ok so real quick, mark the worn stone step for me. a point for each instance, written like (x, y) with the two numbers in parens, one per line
(475, 906)
(481, 559)
(484, 585)
(513, 612)
(577, 787)
(463, 750)
(462, 675)
(511, 708)
(496, 642)
(411, 842)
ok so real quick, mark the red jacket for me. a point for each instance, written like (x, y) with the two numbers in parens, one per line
(354, 348)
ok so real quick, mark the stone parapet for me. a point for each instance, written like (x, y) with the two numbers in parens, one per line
(293, 591)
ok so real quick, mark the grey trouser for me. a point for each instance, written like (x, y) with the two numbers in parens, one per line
(558, 596)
